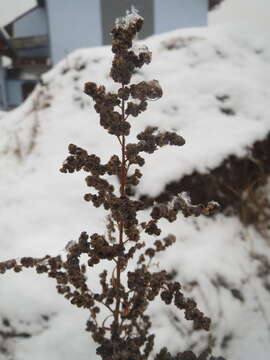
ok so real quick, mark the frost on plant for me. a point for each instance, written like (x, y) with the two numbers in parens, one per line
(131, 18)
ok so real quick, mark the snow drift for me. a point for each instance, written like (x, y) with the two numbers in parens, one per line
(216, 94)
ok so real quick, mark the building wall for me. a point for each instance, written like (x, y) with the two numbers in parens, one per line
(174, 14)
(72, 25)
(14, 92)
(3, 95)
(32, 23)
(119, 8)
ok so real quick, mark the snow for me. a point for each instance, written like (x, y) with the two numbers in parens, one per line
(201, 71)
(139, 49)
(131, 17)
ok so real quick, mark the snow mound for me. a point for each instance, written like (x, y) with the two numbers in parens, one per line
(215, 82)
(216, 95)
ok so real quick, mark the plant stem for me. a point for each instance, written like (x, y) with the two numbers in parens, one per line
(121, 227)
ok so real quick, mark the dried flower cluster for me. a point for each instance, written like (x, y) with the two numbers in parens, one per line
(125, 333)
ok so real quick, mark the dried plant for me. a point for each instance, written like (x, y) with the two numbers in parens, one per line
(125, 292)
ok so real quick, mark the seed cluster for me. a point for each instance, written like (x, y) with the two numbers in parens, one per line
(125, 333)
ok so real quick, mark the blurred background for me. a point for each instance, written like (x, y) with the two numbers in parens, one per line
(246, 11)
(37, 34)
(212, 59)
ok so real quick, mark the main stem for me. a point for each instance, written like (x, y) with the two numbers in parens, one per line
(121, 226)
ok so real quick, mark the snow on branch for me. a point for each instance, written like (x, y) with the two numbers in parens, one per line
(132, 16)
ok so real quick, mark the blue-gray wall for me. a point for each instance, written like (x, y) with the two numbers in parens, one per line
(3, 99)
(14, 92)
(73, 24)
(175, 14)
(32, 23)
(3, 87)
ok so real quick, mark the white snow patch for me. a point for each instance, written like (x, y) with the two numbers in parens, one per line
(204, 74)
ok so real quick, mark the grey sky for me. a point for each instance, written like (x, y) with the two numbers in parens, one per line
(251, 12)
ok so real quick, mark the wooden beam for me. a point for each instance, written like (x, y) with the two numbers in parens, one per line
(29, 42)
(30, 61)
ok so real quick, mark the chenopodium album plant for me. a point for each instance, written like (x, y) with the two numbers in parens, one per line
(125, 293)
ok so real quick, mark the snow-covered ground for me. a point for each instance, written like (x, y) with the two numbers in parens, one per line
(216, 94)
